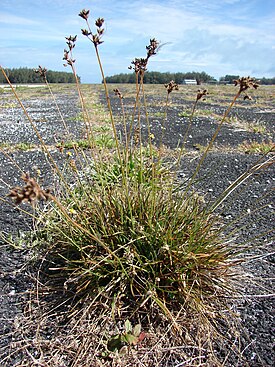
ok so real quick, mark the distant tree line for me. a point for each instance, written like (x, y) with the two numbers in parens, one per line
(267, 81)
(29, 76)
(230, 79)
(155, 77)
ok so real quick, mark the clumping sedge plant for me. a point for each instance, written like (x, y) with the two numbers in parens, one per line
(127, 236)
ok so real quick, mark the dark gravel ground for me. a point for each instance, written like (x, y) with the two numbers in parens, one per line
(218, 171)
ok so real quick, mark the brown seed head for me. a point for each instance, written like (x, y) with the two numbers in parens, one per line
(246, 83)
(71, 42)
(118, 93)
(85, 32)
(71, 39)
(30, 193)
(152, 48)
(41, 71)
(84, 14)
(140, 65)
(171, 86)
(68, 59)
(201, 93)
(93, 37)
(99, 22)
(96, 39)
(68, 53)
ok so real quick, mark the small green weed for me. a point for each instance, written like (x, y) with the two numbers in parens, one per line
(257, 128)
(77, 118)
(23, 146)
(105, 141)
(8, 105)
(130, 336)
(101, 140)
(256, 147)
(158, 114)
(184, 114)
(200, 147)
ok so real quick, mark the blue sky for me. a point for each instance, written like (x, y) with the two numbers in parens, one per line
(216, 36)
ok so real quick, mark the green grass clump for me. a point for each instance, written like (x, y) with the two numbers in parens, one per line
(141, 240)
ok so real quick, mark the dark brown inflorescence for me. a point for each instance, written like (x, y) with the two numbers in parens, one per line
(118, 93)
(171, 86)
(42, 72)
(30, 193)
(84, 14)
(140, 64)
(93, 37)
(201, 93)
(152, 48)
(245, 83)
(68, 53)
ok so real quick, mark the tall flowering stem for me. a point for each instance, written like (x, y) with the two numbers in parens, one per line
(244, 83)
(42, 72)
(170, 87)
(70, 61)
(33, 125)
(96, 39)
(139, 66)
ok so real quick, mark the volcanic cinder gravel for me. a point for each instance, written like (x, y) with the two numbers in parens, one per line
(220, 168)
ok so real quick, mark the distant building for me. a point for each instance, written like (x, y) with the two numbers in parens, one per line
(225, 82)
(190, 82)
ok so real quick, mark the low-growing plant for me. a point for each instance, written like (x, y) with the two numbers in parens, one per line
(127, 234)
(101, 140)
(184, 114)
(257, 128)
(130, 336)
(8, 105)
(23, 146)
(257, 147)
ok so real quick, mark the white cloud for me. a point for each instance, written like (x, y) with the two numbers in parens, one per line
(200, 35)
(10, 19)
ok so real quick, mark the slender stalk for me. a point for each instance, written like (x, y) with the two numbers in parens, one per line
(210, 145)
(138, 89)
(57, 107)
(163, 125)
(148, 123)
(34, 128)
(109, 104)
(140, 133)
(240, 180)
(66, 127)
(43, 145)
(191, 117)
(124, 121)
(190, 123)
(86, 117)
